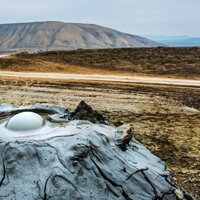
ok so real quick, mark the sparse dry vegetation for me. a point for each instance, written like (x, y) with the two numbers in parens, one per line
(179, 62)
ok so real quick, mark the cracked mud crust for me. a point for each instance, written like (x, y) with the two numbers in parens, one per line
(85, 162)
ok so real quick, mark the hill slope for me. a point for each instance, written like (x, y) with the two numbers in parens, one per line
(177, 62)
(57, 35)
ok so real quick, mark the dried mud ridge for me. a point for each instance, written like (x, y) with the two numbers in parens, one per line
(88, 161)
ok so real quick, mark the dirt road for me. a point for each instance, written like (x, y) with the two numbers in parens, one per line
(107, 78)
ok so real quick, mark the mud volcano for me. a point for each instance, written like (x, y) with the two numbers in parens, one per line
(60, 155)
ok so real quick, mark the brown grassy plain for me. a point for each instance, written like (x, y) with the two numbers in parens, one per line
(162, 61)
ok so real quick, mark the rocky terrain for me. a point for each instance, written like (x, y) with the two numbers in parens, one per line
(44, 36)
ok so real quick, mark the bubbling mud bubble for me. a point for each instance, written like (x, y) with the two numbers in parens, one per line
(32, 122)
(25, 121)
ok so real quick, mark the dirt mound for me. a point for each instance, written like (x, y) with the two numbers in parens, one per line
(80, 160)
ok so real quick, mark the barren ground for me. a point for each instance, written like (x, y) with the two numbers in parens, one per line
(164, 118)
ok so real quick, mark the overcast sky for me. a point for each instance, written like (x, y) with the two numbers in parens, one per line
(142, 17)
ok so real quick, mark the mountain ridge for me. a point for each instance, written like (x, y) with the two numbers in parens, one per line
(55, 35)
(175, 41)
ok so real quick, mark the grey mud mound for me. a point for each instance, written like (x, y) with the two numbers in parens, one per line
(77, 159)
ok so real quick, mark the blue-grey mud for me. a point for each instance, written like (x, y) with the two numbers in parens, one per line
(78, 155)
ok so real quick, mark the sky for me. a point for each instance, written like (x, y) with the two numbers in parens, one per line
(140, 17)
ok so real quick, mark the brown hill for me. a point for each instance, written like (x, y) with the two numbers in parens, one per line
(162, 61)
(58, 35)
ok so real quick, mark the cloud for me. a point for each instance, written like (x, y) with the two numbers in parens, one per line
(133, 16)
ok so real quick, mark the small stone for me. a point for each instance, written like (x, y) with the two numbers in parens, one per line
(179, 194)
(123, 135)
(86, 112)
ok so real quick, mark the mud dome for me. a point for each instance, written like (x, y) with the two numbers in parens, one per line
(25, 121)
(72, 158)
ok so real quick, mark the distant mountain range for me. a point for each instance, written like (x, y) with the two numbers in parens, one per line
(44, 36)
(175, 40)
